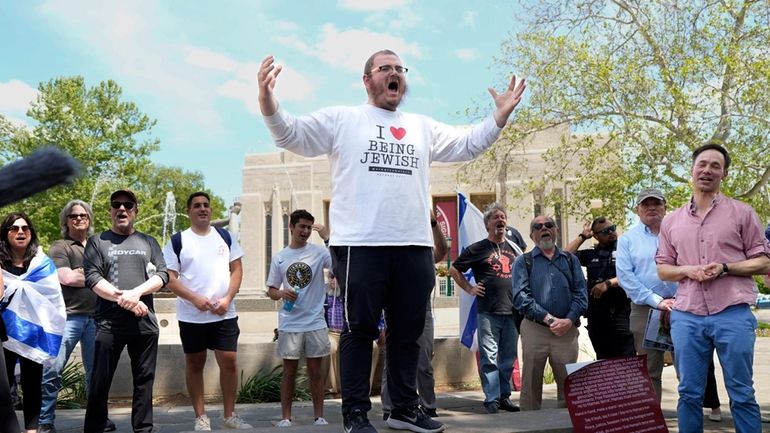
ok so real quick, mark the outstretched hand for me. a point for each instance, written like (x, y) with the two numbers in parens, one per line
(266, 79)
(508, 100)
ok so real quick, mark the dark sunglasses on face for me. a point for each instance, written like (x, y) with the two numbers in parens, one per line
(548, 225)
(16, 229)
(607, 230)
(74, 216)
(126, 204)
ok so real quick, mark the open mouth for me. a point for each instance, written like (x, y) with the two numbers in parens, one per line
(393, 86)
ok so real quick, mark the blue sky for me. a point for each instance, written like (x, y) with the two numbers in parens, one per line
(191, 65)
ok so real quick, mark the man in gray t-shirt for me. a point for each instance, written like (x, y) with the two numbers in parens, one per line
(124, 267)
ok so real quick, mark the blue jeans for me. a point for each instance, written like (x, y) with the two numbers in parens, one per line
(79, 328)
(731, 333)
(497, 349)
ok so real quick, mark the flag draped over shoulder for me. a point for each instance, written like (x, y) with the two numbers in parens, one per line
(471, 229)
(35, 316)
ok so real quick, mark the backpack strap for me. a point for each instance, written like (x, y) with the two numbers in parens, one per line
(176, 244)
(225, 235)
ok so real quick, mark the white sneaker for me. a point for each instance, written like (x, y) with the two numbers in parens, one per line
(235, 422)
(284, 423)
(202, 423)
(320, 421)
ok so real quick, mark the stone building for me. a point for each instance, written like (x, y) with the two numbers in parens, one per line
(275, 184)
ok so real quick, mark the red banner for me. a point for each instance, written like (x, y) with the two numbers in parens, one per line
(446, 217)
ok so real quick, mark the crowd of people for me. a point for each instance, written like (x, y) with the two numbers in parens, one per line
(373, 280)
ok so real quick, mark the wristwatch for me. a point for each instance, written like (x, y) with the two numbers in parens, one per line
(582, 236)
(724, 269)
(549, 320)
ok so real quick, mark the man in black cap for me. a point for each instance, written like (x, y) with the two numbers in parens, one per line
(124, 267)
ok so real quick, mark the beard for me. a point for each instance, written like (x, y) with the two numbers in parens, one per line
(546, 244)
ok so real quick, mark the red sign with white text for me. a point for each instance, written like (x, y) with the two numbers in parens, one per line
(614, 396)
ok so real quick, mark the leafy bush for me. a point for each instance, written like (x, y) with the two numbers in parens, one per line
(73, 387)
(264, 388)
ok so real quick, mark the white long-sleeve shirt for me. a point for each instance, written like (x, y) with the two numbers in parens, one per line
(379, 166)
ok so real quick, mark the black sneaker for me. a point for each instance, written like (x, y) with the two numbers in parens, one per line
(108, 426)
(357, 422)
(491, 406)
(507, 404)
(414, 419)
(431, 412)
(46, 428)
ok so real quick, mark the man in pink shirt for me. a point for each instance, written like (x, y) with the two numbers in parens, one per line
(712, 246)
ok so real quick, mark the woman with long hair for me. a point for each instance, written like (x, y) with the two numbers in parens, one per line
(21, 257)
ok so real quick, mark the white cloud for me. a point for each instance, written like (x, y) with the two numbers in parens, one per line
(348, 49)
(208, 59)
(284, 26)
(468, 19)
(291, 86)
(371, 5)
(124, 37)
(15, 96)
(466, 54)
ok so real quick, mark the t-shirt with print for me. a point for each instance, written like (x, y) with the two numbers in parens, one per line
(303, 268)
(205, 270)
(125, 261)
(492, 264)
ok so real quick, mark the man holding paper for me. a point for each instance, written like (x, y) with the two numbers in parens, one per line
(638, 276)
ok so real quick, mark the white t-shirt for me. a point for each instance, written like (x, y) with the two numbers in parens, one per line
(205, 270)
(303, 268)
(379, 161)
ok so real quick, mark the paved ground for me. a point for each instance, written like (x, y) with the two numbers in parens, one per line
(460, 411)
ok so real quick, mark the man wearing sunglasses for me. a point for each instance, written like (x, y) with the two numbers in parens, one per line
(67, 254)
(549, 290)
(124, 268)
(608, 305)
(381, 236)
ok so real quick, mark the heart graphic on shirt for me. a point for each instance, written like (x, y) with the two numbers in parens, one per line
(399, 133)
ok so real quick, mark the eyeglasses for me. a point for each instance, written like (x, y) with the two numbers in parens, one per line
(16, 229)
(74, 216)
(389, 68)
(548, 225)
(607, 230)
(126, 204)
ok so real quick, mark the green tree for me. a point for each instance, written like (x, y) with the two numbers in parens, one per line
(153, 193)
(658, 79)
(110, 137)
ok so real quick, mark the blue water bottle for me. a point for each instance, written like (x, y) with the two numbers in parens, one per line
(287, 304)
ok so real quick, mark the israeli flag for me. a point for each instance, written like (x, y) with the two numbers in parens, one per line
(35, 316)
(471, 229)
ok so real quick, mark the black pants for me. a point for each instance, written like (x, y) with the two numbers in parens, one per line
(397, 279)
(8, 421)
(31, 378)
(610, 332)
(711, 396)
(143, 352)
